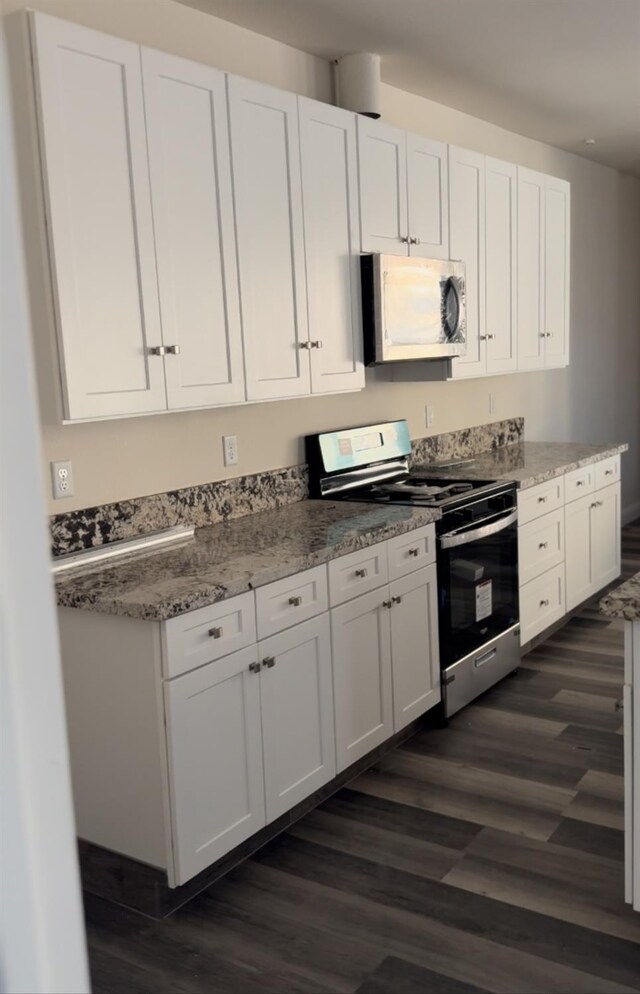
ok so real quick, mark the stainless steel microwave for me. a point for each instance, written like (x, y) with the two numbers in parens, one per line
(412, 308)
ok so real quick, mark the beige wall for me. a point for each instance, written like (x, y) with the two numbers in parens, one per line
(595, 400)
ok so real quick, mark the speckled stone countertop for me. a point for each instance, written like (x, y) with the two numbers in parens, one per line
(624, 601)
(228, 558)
(527, 463)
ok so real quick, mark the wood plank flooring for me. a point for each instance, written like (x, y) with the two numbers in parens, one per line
(487, 856)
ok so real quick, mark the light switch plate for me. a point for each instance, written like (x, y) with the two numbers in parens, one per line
(62, 479)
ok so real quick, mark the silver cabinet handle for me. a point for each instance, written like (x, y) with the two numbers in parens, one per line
(549, 334)
(600, 503)
(295, 601)
(543, 545)
(304, 345)
(542, 500)
(483, 338)
(413, 552)
(269, 662)
(580, 483)
(542, 334)
(414, 241)
(173, 350)
(315, 345)
(361, 572)
(544, 603)
(491, 337)
(404, 239)
(609, 472)
(157, 350)
(387, 604)
(396, 600)
(216, 633)
(254, 667)
(619, 706)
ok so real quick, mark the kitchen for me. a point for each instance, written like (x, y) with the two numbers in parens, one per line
(116, 463)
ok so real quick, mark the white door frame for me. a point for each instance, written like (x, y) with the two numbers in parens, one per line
(42, 940)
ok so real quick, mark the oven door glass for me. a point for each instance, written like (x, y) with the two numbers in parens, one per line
(477, 585)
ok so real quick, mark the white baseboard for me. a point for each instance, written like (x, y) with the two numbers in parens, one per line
(631, 512)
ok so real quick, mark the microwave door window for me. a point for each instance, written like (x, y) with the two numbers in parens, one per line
(451, 309)
(412, 308)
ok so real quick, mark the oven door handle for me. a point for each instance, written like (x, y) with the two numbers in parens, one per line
(452, 539)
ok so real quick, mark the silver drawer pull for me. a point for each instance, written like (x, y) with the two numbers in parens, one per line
(295, 601)
(304, 345)
(580, 483)
(316, 345)
(269, 662)
(543, 545)
(388, 604)
(157, 350)
(404, 239)
(173, 350)
(619, 705)
(609, 472)
(396, 600)
(413, 552)
(361, 572)
(216, 633)
(544, 603)
(254, 667)
(484, 658)
(542, 500)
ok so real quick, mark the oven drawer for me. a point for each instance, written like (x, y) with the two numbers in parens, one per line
(540, 545)
(541, 603)
(607, 472)
(411, 551)
(357, 573)
(291, 600)
(578, 482)
(201, 636)
(541, 499)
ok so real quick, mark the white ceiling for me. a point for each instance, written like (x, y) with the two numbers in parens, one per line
(556, 70)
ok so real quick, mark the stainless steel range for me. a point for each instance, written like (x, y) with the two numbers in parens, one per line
(477, 546)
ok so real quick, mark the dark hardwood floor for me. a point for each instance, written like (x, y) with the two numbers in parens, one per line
(487, 856)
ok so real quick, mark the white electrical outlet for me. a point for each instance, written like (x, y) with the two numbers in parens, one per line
(230, 450)
(429, 416)
(62, 479)
(493, 403)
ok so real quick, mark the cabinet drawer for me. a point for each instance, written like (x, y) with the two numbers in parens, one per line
(606, 472)
(411, 551)
(358, 573)
(540, 545)
(578, 483)
(536, 501)
(287, 602)
(541, 603)
(201, 636)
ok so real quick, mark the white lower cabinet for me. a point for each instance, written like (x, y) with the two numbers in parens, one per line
(296, 700)
(415, 653)
(542, 602)
(214, 750)
(361, 645)
(592, 526)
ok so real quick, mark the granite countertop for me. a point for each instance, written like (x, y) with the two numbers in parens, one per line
(623, 601)
(226, 559)
(527, 463)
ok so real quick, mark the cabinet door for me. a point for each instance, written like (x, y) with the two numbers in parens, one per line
(500, 273)
(606, 536)
(428, 197)
(382, 162)
(330, 199)
(466, 238)
(265, 157)
(297, 714)
(360, 637)
(415, 653)
(186, 112)
(216, 786)
(100, 231)
(556, 271)
(578, 551)
(530, 292)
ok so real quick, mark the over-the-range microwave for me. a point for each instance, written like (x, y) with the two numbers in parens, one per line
(412, 308)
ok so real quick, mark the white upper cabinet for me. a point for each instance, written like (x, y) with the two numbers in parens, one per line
(428, 197)
(530, 269)
(382, 159)
(556, 271)
(330, 201)
(466, 240)
(500, 265)
(188, 140)
(269, 227)
(96, 181)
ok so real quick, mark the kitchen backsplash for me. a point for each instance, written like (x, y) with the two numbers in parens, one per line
(210, 503)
